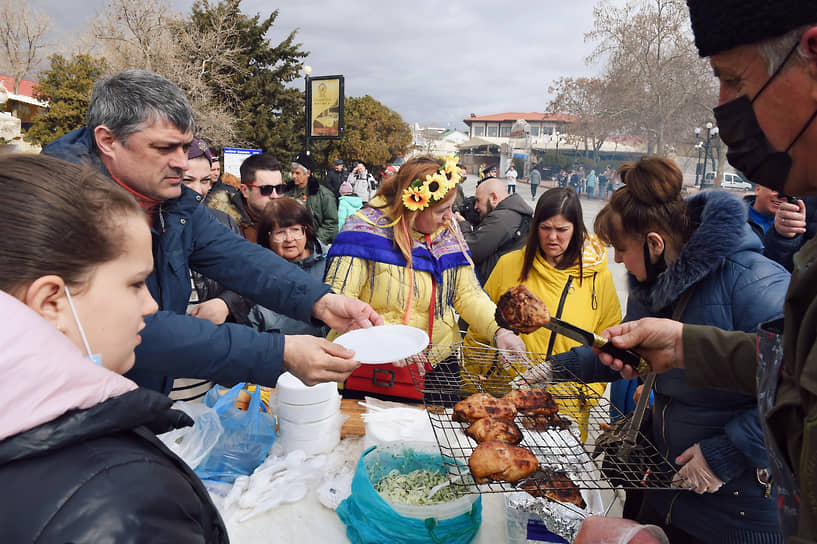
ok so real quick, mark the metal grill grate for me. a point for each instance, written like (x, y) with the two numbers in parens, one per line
(463, 370)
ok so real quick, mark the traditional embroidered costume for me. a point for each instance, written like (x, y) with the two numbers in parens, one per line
(365, 263)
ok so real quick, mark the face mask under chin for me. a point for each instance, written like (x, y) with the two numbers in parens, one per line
(653, 269)
(95, 358)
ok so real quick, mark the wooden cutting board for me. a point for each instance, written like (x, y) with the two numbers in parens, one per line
(354, 426)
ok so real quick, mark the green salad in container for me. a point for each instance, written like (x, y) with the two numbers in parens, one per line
(414, 487)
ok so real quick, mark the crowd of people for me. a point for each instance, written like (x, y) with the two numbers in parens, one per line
(149, 276)
(590, 184)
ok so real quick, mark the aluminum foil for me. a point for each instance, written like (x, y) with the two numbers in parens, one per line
(558, 518)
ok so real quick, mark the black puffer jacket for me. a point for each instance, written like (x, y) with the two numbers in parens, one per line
(100, 475)
(501, 231)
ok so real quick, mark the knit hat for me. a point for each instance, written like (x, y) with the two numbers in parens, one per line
(306, 161)
(199, 149)
(720, 25)
(346, 188)
(338, 162)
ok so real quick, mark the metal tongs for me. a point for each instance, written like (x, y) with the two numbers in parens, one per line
(630, 437)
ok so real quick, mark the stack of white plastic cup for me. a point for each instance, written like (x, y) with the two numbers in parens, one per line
(309, 417)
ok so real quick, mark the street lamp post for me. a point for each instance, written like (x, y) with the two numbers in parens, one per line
(716, 143)
(706, 151)
(307, 70)
(706, 147)
(558, 139)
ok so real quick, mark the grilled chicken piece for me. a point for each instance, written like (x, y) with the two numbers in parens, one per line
(553, 485)
(501, 462)
(481, 405)
(543, 424)
(521, 311)
(492, 428)
(533, 402)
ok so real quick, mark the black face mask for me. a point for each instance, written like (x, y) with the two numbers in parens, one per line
(653, 269)
(748, 149)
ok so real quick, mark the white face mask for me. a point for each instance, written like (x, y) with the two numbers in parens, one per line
(96, 358)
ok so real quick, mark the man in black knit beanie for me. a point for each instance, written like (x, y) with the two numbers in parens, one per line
(764, 54)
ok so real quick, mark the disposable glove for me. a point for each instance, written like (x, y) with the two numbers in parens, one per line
(695, 474)
(538, 376)
(507, 340)
(603, 530)
(513, 352)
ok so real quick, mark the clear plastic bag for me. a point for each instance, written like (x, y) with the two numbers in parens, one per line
(247, 437)
(194, 443)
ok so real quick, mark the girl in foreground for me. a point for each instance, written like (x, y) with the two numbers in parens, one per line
(79, 459)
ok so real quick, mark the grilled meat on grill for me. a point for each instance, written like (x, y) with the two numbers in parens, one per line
(554, 485)
(533, 402)
(521, 311)
(498, 461)
(492, 428)
(481, 405)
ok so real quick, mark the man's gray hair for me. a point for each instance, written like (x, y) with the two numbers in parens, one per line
(774, 50)
(132, 100)
(301, 167)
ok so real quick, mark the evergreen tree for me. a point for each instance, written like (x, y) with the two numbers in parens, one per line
(270, 114)
(66, 85)
(373, 133)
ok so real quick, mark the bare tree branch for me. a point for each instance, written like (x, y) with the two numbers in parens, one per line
(150, 36)
(22, 45)
(648, 45)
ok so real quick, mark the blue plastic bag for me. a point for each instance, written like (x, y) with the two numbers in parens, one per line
(369, 519)
(246, 440)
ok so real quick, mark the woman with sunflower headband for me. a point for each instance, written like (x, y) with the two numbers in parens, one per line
(403, 254)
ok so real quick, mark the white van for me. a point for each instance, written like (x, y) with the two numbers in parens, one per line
(729, 181)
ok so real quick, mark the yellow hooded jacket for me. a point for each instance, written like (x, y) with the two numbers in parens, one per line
(590, 302)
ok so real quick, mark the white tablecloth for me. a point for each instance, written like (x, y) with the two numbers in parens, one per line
(309, 521)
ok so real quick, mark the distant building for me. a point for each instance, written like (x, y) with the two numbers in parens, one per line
(22, 105)
(496, 128)
(499, 137)
(436, 140)
(17, 112)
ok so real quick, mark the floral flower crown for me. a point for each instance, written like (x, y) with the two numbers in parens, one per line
(421, 193)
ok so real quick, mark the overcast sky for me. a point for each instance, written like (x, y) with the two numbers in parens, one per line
(429, 60)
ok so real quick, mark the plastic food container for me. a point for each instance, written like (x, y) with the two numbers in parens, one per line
(314, 437)
(314, 430)
(408, 456)
(291, 390)
(307, 413)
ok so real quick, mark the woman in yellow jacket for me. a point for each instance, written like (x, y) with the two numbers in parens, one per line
(566, 267)
(403, 254)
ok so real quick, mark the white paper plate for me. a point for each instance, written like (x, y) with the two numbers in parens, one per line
(384, 344)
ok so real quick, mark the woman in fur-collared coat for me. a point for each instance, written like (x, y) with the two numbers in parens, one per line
(712, 437)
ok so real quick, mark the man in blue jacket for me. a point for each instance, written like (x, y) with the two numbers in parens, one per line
(783, 226)
(138, 129)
